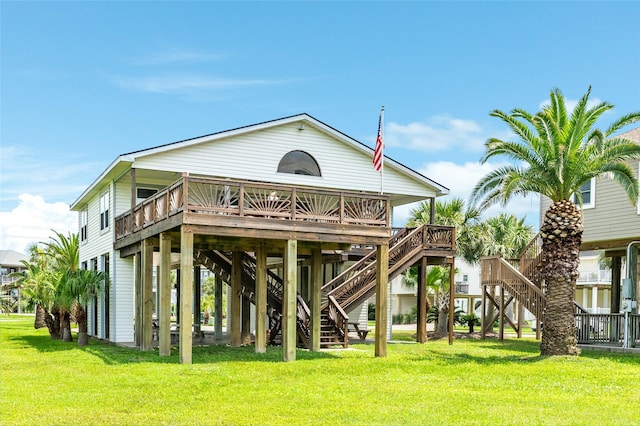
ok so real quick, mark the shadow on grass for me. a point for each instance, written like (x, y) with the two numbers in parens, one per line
(112, 354)
(490, 351)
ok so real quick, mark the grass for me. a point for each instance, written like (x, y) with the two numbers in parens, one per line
(471, 383)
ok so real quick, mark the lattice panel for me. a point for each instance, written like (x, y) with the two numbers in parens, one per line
(266, 202)
(320, 207)
(364, 209)
(213, 196)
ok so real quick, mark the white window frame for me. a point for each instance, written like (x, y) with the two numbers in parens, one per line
(84, 225)
(592, 202)
(104, 202)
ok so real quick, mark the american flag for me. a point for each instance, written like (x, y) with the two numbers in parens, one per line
(377, 154)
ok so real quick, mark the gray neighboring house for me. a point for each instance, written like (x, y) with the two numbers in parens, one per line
(611, 223)
(10, 261)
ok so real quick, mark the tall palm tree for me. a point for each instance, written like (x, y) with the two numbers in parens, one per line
(557, 151)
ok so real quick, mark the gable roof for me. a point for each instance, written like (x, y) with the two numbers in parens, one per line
(633, 134)
(124, 161)
(12, 258)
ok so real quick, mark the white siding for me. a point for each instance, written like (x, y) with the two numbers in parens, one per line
(121, 270)
(122, 299)
(256, 156)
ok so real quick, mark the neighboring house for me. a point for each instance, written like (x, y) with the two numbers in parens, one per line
(611, 222)
(293, 189)
(11, 261)
(593, 286)
(468, 290)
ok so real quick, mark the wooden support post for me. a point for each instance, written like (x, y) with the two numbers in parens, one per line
(261, 299)
(137, 285)
(164, 307)
(452, 294)
(134, 191)
(147, 295)
(235, 302)
(186, 295)
(382, 299)
(501, 313)
(616, 279)
(520, 317)
(197, 289)
(246, 320)
(421, 332)
(316, 285)
(218, 308)
(483, 327)
(290, 285)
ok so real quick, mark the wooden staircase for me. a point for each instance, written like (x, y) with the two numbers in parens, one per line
(517, 280)
(346, 291)
(219, 263)
(356, 284)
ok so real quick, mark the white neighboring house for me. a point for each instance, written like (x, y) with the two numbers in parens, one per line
(593, 286)
(468, 290)
(255, 153)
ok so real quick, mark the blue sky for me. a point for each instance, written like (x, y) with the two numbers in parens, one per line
(82, 82)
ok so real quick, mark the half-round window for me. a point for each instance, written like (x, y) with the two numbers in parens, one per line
(299, 163)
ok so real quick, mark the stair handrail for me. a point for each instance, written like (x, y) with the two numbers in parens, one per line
(359, 276)
(529, 260)
(354, 269)
(339, 318)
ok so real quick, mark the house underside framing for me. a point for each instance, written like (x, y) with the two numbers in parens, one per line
(206, 220)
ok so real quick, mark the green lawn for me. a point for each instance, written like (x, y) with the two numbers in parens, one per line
(47, 382)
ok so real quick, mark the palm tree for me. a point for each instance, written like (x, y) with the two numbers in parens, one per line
(557, 152)
(39, 290)
(508, 235)
(82, 286)
(64, 252)
(471, 234)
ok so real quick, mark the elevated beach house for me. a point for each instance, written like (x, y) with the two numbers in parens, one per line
(269, 209)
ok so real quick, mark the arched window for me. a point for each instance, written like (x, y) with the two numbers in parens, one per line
(299, 163)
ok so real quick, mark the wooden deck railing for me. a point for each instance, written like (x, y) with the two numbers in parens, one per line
(498, 271)
(202, 195)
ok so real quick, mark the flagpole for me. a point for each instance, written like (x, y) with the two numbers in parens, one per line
(382, 157)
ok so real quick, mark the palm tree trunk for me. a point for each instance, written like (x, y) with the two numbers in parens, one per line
(65, 325)
(561, 233)
(54, 327)
(81, 318)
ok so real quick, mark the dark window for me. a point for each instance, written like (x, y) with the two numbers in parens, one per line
(299, 163)
(104, 211)
(84, 220)
(144, 193)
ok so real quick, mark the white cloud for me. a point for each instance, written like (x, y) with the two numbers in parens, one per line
(32, 221)
(461, 179)
(439, 133)
(179, 55)
(27, 170)
(186, 84)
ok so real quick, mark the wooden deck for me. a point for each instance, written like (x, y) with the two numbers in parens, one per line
(227, 208)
